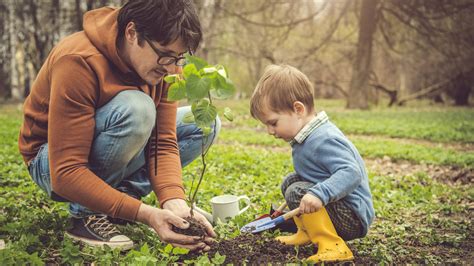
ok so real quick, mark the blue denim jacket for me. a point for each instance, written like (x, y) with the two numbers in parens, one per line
(329, 160)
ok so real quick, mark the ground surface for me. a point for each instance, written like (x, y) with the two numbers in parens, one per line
(420, 162)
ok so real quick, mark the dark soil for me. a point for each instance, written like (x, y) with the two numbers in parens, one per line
(195, 228)
(257, 249)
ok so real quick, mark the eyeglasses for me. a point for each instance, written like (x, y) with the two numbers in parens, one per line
(165, 59)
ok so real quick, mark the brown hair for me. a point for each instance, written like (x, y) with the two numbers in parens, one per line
(163, 21)
(278, 88)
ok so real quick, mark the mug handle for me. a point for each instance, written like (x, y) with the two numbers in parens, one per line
(247, 200)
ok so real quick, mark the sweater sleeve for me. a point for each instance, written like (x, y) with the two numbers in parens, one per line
(165, 169)
(70, 134)
(335, 156)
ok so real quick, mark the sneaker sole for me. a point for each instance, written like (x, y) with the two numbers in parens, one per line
(121, 245)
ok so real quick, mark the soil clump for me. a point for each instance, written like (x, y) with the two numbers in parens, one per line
(195, 228)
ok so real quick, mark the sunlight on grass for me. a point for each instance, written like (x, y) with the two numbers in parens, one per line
(370, 148)
(443, 124)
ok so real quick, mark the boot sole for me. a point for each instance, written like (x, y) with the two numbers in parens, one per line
(95, 243)
(351, 259)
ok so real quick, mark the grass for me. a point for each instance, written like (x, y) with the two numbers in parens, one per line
(419, 219)
(434, 123)
(375, 147)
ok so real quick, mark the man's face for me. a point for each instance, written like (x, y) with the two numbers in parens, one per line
(145, 60)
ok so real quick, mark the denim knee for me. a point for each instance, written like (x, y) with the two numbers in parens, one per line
(190, 137)
(211, 138)
(217, 128)
(140, 112)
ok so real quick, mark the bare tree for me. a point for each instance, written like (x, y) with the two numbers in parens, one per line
(357, 50)
(432, 43)
(14, 87)
(5, 53)
(362, 63)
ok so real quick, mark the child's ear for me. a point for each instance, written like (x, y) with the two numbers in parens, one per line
(299, 108)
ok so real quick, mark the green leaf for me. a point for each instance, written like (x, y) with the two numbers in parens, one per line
(197, 88)
(144, 249)
(228, 114)
(203, 260)
(218, 259)
(171, 78)
(190, 69)
(222, 71)
(200, 103)
(198, 62)
(177, 91)
(168, 249)
(180, 251)
(223, 87)
(206, 131)
(188, 118)
(204, 113)
(208, 70)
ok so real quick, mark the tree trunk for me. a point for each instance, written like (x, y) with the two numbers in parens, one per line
(208, 17)
(14, 88)
(55, 13)
(90, 5)
(461, 90)
(4, 51)
(78, 15)
(358, 91)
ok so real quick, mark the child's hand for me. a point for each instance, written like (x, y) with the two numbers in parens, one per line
(310, 203)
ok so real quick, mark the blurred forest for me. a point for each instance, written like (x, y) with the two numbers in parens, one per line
(366, 51)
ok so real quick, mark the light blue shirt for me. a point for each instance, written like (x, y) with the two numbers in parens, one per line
(324, 156)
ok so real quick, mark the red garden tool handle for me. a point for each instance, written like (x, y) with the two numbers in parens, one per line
(279, 211)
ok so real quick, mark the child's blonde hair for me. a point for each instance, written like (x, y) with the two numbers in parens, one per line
(278, 88)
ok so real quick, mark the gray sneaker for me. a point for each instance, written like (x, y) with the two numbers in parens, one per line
(97, 230)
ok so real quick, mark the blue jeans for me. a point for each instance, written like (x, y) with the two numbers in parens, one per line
(123, 127)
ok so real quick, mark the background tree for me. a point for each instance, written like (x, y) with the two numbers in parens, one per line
(365, 51)
(362, 63)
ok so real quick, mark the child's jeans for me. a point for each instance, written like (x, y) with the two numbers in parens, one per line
(122, 129)
(346, 222)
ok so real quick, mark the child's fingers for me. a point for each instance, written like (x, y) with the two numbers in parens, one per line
(304, 208)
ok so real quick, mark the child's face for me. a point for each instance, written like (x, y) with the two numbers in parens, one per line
(282, 125)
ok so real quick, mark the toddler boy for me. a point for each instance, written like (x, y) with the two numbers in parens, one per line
(330, 183)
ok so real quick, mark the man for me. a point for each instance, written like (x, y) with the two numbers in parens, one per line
(99, 132)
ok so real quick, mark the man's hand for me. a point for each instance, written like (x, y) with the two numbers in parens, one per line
(162, 222)
(310, 203)
(181, 209)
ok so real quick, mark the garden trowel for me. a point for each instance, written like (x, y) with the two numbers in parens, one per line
(268, 222)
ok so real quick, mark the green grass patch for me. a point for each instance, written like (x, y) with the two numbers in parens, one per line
(435, 125)
(413, 152)
(369, 148)
(441, 124)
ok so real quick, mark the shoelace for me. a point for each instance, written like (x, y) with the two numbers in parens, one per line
(102, 225)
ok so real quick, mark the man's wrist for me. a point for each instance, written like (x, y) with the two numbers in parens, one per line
(144, 212)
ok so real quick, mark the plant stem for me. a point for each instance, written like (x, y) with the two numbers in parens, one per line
(204, 165)
(203, 170)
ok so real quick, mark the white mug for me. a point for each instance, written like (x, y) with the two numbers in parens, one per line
(224, 207)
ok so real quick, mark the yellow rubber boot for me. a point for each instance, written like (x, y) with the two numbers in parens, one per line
(321, 231)
(300, 238)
